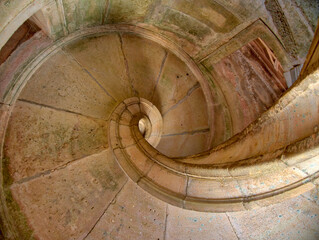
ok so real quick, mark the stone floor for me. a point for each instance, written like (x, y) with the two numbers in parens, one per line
(91, 198)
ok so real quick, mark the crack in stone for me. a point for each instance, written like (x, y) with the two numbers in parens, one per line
(49, 171)
(62, 16)
(95, 80)
(127, 70)
(189, 92)
(59, 109)
(107, 207)
(187, 133)
(165, 226)
(159, 74)
(105, 11)
(232, 226)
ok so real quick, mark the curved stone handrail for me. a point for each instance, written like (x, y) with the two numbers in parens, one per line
(230, 186)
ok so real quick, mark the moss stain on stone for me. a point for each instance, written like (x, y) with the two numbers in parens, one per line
(20, 221)
(83, 13)
(127, 11)
(105, 177)
(57, 31)
(166, 82)
(211, 13)
(180, 23)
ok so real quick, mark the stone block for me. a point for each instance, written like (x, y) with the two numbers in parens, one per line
(213, 188)
(143, 67)
(142, 163)
(175, 82)
(134, 214)
(271, 181)
(68, 202)
(292, 219)
(103, 58)
(122, 11)
(168, 179)
(186, 224)
(125, 136)
(39, 139)
(62, 83)
(81, 14)
(125, 118)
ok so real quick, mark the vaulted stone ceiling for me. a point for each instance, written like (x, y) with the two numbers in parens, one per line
(220, 133)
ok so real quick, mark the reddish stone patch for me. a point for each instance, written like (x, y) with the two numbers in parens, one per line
(252, 80)
(23, 33)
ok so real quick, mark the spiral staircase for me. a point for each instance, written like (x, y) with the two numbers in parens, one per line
(159, 120)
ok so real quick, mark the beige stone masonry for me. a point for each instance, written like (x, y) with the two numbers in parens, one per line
(219, 186)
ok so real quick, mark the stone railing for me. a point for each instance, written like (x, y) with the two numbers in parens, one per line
(248, 180)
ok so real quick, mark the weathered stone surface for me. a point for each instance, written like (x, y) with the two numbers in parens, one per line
(294, 219)
(67, 203)
(184, 25)
(122, 11)
(187, 115)
(80, 14)
(9, 9)
(280, 198)
(228, 188)
(174, 84)
(294, 31)
(126, 135)
(13, 14)
(310, 9)
(258, 29)
(164, 178)
(268, 181)
(17, 60)
(4, 116)
(22, 34)
(182, 145)
(9, 211)
(250, 82)
(142, 162)
(144, 69)
(243, 9)
(213, 14)
(103, 58)
(185, 224)
(50, 21)
(62, 83)
(313, 195)
(40, 138)
(134, 214)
